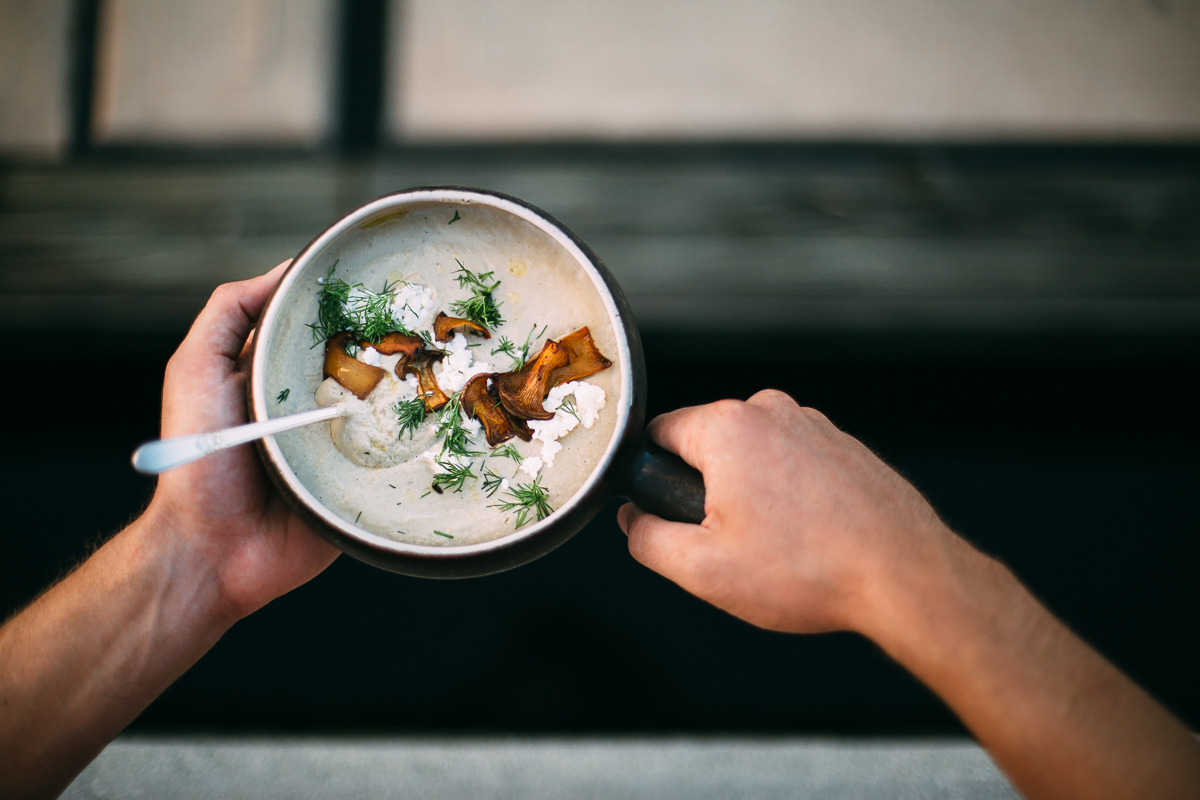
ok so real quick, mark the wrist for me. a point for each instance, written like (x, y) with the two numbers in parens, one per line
(176, 576)
(925, 613)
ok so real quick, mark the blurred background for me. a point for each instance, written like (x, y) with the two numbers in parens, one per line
(968, 232)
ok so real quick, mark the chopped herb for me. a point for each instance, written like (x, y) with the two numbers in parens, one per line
(568, 405)
(454, 477)
(340, 308)
(448, 536)
(481, 308)
(455, 439)
(506, 347)
(455, 219)
(527, 498)
(392, 485)
(426, 494)
(518, 360)
(331, 307)
(491, 482)
(410, 414)
(283, 395)
(508, 451)
(356, 518)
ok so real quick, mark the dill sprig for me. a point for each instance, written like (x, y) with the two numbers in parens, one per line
(410, 414)
(366, 313)
(568, 405)
(448, 536)
(331, 307)
(508, 451)
(455, 439)
(507, 347)
(491, 482)
(527, 498)
(455, 476)
(283, 395)
(371, 314)
(481, 308)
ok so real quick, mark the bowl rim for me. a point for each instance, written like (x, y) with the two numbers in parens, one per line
(447, 195)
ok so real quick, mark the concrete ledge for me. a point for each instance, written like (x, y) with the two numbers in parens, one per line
(532, 768)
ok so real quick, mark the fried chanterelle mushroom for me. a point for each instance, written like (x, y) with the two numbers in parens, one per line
(445, 326)
(522, 392)
(358, 378)
(421, 365)
(584, 358)
(485, 406)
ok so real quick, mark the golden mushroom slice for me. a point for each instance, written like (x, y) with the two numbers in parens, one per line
(481, 404)
(584, 358)
(358, 378)
(421, 365)
(522, 392)
(396, 342)
(445, 326)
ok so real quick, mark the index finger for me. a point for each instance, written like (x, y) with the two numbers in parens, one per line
(229, 315)
(684, 431)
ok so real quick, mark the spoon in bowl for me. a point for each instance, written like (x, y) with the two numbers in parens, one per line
(154, 458)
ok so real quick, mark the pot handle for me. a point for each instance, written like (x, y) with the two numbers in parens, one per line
(658, 481)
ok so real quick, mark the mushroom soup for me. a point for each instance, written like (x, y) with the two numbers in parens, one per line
(471, 357)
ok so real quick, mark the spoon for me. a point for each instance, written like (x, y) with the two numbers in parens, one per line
(154, 458)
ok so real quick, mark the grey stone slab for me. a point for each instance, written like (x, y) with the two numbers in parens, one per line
(533, 769)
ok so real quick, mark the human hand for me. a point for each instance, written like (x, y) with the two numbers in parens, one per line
(225, 516)
(805, 527)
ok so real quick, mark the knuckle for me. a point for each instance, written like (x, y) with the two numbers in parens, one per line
(814, 415)
(774, 397)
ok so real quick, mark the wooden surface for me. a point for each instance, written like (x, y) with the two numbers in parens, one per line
(859, 240)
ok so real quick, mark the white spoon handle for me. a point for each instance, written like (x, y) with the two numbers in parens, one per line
(157, 457)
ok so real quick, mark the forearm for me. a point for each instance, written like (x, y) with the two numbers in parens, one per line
(1057, 717)
(81, 662)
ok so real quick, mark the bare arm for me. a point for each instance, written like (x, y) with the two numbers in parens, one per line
(807, 530)
(215, 544)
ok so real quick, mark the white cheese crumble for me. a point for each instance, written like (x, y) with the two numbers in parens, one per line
(369, 355)
(459, 365)
(412, 305)
(586, 399)
(434, 455)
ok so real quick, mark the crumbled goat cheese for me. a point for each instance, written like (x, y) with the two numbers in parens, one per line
(459, 365)
(369, 355)
(588, 400)
(412, 305)
(434, 455)
(549, 451)
(531, 466)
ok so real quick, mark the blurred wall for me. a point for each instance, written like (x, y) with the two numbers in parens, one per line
(665, 69)
(215, 72)
(234, 72)
(34, 69)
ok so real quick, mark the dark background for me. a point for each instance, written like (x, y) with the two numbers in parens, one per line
(1031, 369)
(1079, 472)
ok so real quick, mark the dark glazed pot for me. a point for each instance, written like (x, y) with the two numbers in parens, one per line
(631, 466)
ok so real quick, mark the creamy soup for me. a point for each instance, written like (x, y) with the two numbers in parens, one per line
(372, 473)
